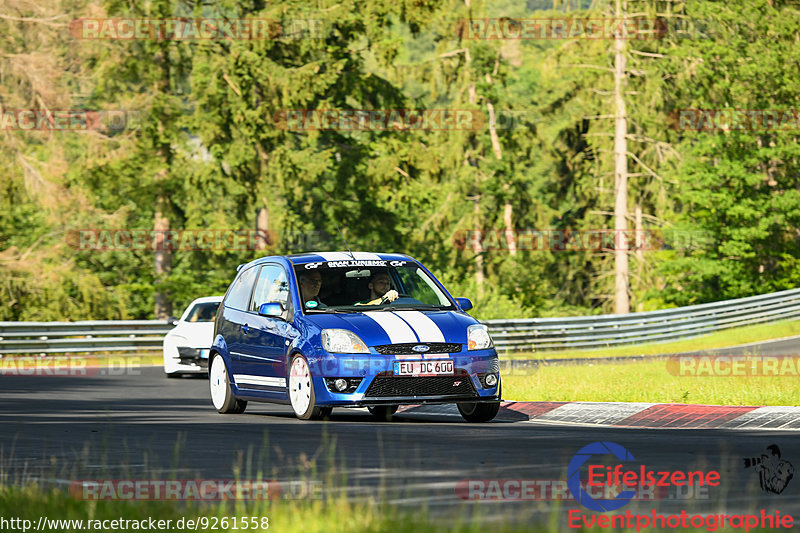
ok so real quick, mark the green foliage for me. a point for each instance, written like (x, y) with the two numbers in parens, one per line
(208, 147)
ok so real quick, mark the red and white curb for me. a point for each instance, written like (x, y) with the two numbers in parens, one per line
(636, 415)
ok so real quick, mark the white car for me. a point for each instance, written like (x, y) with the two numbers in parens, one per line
(186, 347)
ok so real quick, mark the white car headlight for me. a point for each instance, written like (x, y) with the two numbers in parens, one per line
(478, 337)
(342, 341)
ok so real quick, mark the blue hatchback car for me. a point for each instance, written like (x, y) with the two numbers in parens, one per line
(339, 329)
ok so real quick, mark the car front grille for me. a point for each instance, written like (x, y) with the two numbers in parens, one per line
(388, 386)
(407, 348)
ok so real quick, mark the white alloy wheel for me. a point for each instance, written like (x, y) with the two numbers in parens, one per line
(300, 388)
(218, 377)
(220, 387)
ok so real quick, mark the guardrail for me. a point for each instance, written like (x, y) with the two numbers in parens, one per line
(85, 336)
(665, 325)
(528, 334)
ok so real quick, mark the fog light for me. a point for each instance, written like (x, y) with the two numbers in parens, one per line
(491, 380)
(340, 384)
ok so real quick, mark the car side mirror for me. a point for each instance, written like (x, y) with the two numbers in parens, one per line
(270, 309)
(464, 303)
(172, 321)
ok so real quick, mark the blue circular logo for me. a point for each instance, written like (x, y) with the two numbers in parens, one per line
(420, 348)
(311, 304)
(600, 505)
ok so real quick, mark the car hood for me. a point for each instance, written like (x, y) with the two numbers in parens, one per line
(192, 334)
(394, 327)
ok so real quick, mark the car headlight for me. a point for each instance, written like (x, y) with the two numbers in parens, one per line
(478, 337)
(342, 341)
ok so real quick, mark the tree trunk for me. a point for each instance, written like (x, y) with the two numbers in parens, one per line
(163, 257)
(262, 228)
(621, 301)
(508, 221)
(477, 246)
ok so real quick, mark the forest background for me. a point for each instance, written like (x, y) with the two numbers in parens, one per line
(194, 134)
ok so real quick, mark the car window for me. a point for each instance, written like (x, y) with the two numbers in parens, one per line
(239, 294)
(418, 286)
(272, 286)
(341, 287)
(203, 312)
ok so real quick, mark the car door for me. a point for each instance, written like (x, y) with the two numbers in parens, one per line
(235, 319)
(261, 364)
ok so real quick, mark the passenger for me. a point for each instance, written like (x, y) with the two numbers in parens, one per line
(380, 290)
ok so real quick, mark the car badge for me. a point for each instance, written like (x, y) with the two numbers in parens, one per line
(421, 348)
(311, 304)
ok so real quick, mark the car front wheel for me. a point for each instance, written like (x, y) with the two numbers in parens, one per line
(301, 392)
(478, 412)
(383, 412)
(220, 386)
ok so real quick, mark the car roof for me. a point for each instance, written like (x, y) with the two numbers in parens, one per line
(313, 257)
(316, 257)
(206, 299)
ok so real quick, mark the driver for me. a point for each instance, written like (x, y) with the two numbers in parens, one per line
(310, 283)
(380, 290)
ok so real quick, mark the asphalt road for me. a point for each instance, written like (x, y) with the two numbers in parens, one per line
(140, 425)
(787, 346)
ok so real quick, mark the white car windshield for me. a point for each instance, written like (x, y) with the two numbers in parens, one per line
(203, 312)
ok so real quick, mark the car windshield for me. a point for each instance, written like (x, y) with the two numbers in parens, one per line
(204, 312)
(335, 286)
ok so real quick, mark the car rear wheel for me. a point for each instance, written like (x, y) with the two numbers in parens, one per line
(301, 392)
(383, 412)
(220, 386)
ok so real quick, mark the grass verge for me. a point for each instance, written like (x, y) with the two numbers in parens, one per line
(26, 506)
(648, 381)
(719, 339)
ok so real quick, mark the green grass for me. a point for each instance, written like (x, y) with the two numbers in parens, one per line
(647, 381)
(719, 339)
(308, 516)
(314, 516)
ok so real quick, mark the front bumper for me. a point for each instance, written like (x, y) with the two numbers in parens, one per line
(379, 386)
(193, 356)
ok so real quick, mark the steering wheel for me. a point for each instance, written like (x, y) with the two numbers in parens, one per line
(399, 295)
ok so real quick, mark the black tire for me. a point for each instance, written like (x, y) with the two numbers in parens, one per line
(230, 405)
(383, 412)
(481, 412)
(313, 411)
(478, 412)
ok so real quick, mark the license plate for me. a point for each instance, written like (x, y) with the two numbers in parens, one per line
(424, 368)
(204, 353)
